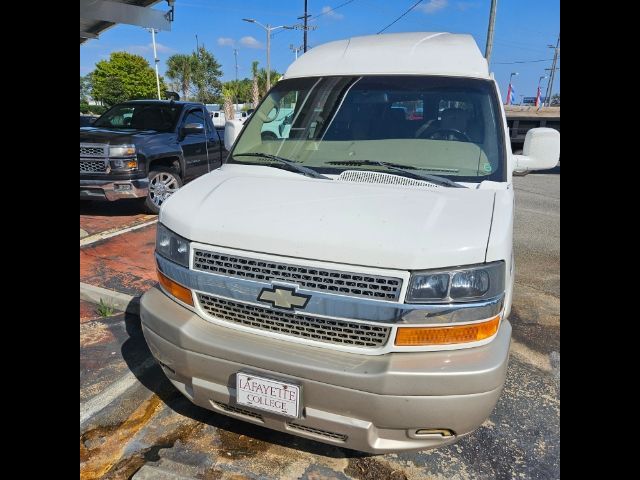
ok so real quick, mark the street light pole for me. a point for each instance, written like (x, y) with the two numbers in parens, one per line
(268, 57)
(553, 70)
(268, 28)
(492, 22)
(155, 59)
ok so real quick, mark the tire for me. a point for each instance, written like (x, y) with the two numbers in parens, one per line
(165, 179)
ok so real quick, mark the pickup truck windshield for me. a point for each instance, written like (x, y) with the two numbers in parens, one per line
(141, 116)
(444, 126)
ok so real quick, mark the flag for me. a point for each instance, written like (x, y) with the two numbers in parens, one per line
(538, 98)
(511, 95)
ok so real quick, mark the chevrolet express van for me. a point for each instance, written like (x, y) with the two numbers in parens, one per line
(351, 280)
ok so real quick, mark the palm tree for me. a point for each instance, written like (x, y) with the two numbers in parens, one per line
(255, 92)
(179, 69)
(228, 94)
(262, 80)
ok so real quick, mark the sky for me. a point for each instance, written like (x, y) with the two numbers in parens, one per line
(523, 31)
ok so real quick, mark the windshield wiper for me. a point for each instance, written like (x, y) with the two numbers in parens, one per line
(408, 169)
(284, 161)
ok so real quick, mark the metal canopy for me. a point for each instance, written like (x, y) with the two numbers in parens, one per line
(98, 15)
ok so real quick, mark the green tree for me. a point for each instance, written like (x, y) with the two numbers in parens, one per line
(85, 87)
(179, 69)
(555, 99)
(262, 80)
(205, 76)
(85, 92)
(241, 89)
(123, 77)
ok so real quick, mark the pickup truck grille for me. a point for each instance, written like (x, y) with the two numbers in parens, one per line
(94, 150)
(93, 166)
(309, 278)
(302, 326)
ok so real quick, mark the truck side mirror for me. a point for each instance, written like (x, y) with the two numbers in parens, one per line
(192, 128)
(232, 129)
(541, 150)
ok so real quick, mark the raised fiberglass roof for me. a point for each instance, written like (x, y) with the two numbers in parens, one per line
(415, 53)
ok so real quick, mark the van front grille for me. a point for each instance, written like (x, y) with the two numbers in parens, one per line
(309, 278)
(325, 330)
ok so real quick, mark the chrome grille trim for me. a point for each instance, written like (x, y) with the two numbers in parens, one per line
(93, 150)
(316, 431)
(324, 330)
(310, 278)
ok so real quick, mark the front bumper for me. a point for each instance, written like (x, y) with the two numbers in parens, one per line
(113, 189)
(369, 403)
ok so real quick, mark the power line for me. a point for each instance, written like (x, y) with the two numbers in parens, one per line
(331, 9)
(523, 61)
(410, 8)
(320, 14)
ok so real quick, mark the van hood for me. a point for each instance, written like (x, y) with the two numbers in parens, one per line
(269, 210)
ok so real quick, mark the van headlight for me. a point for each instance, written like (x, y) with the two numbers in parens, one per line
(172, 246)
(457, 284)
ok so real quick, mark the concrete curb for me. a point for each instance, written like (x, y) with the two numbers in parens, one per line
(117, 231)
(119, 301)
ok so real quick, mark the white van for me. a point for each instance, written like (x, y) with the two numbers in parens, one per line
(351, 280)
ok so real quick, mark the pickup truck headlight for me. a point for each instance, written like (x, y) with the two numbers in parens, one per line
(122, 151)
(457, 284)
(172, 246)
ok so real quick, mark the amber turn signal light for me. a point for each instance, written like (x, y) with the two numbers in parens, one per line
(181, 293)
(420, 336)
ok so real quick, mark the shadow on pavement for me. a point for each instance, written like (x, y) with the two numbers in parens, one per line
(135, 351)
(113, 209)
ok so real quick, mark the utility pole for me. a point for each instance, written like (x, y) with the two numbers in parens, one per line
(295, 49)
(155, 59)
(235, 54)
(304, 27)
(492, 22)
(552, 75)
(197, 46)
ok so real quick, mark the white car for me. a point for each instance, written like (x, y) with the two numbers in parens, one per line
(351, 282)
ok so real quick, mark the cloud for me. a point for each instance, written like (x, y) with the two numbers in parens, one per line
(433, 6)
(226, 42)
(146, 49)
(331, 13)
(250, 42)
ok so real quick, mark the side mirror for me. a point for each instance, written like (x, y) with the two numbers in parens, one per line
(192, 128)
(541, 150)
(232, 129)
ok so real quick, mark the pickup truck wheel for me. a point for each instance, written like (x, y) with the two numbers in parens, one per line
(163, 182)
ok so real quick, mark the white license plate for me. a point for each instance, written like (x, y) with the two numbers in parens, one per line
(268, 394)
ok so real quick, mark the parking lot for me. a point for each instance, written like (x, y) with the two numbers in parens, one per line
(135, 424)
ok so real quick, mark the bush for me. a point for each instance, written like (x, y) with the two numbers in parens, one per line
(84, 107)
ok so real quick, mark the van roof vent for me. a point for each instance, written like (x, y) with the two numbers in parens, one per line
(361, 176)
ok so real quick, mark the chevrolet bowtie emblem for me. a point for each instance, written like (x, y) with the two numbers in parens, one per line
(283, 297)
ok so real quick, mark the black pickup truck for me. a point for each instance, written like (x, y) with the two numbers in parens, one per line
(147, 149)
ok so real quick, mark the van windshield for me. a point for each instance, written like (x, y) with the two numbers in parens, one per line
(442, 126)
